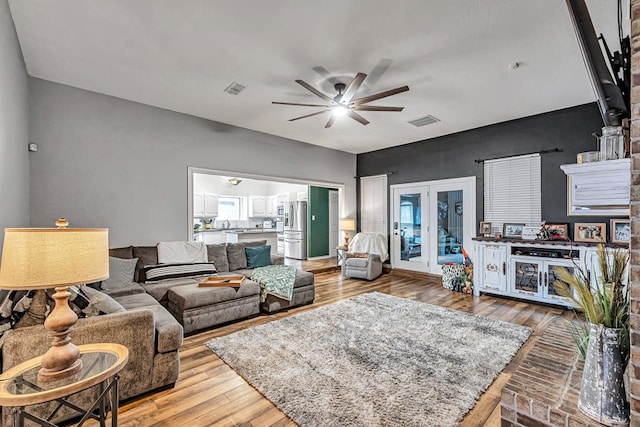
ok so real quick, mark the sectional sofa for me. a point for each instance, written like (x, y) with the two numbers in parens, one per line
(150, 319)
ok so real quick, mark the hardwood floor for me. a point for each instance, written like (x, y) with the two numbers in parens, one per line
(209, 393)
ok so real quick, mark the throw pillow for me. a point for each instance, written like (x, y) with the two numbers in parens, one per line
(126, 253)
(38, 311)
(101, 302)
(155, 273)
(217, 254)
(236, 255)
(147, 255)
(120, 273)
(258, 256)
(13, 306)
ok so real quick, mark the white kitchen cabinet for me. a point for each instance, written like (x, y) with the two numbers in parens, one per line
(210, 204)
(212, 237)
(272, 206)
(302, 196)
(257, 206)
(492, 274)
(598, 188)
(198, 204)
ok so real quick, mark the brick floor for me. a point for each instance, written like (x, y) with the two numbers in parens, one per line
(544, 389)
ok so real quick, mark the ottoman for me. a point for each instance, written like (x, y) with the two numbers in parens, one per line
(304, 292)
(198, 307)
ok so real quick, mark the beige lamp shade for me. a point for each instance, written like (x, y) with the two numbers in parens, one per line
(348, 224)
(42, 258)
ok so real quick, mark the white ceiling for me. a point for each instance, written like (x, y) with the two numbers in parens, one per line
(453, 54)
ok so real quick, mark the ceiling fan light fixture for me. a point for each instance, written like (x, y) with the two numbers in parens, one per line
(339, 110)
(234, 181)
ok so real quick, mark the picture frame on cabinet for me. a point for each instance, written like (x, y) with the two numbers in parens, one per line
(485, 228)
(620, 230)
(556, 231)
(512, 230)
(590, 232)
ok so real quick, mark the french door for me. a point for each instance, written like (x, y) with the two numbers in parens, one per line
(432, 222)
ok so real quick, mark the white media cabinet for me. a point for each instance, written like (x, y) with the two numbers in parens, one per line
(525, 268)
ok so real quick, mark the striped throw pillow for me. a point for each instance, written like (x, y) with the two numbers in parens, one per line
(155, 273)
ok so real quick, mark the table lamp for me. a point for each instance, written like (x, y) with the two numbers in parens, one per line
(44, 258)
(347, 225)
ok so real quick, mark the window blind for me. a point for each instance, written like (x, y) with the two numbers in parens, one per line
(373, 204)
(512, 190)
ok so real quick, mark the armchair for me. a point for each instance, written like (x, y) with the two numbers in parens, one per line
(367, 252)
(362, 268)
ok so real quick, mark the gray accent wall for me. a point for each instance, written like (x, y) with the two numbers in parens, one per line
(14, 128)
(454, 155)
(107, 162)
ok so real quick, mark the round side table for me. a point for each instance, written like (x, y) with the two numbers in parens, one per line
(19, 386)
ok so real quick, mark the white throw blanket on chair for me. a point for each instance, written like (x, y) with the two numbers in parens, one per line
(181, 252)
(370, 243)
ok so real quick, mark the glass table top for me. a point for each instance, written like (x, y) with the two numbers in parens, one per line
(93, 363)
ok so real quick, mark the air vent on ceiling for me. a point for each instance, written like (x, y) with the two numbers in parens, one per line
(423, 121)
(234, 88)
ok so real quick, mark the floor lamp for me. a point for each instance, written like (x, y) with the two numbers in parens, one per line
(44, 258)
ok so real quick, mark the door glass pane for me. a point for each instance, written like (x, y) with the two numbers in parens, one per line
(551, 290)
(526, 276)
(410, 226)
(450, 227)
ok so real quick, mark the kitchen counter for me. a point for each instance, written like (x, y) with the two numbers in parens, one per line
(252, 231)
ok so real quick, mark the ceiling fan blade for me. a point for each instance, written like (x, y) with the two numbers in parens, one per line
(384, 94)
(378, 71)
(324, 73)
(301, 105)
(357, 117)
(313, 90)
(330, 121)
(352, 88)
(376, 108)
(309, 115)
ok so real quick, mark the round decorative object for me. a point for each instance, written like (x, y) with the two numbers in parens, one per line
(492, 267)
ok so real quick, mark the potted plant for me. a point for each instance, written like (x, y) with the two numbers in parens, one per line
(604, 343)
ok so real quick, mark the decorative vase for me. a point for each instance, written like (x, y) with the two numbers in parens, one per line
(602, 394)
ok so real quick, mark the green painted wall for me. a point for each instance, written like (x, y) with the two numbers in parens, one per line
(318, 211)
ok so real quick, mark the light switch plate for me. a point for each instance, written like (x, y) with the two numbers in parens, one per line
(33, 147)
(313, 217)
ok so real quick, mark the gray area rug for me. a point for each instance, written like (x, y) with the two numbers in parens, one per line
(373, 360)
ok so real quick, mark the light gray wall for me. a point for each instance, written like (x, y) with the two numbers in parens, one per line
(108, 162)
(14, 128)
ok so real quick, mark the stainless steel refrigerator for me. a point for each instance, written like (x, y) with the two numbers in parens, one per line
(295, 230)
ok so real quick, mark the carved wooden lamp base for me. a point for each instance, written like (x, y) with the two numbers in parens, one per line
(63, 357)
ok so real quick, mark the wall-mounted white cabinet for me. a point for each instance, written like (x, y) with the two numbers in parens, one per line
(598, 188)
(205, 204)
(210, 204)
(272, 206)
(198, 204)
(302, 196)
(257, 206)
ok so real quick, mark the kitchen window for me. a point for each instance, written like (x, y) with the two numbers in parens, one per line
(232, 208)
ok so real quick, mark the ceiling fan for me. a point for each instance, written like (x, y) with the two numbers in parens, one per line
(343, 103)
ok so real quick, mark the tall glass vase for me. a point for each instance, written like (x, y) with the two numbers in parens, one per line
(602, 395)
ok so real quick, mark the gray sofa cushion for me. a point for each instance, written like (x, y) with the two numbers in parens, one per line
(126, 252)
(168, 331)
(217, 254)
(147, 255)
(130, 289)
(236, 255)
(121, 273)
(193, 296)
(158, 290)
